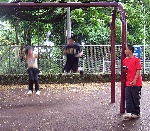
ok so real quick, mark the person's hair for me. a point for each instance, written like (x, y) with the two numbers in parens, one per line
(27, 49)
(131, 48)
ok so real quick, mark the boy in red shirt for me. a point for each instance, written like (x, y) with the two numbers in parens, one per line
(132, 67)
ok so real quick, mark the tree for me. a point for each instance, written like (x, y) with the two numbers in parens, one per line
(92, 24)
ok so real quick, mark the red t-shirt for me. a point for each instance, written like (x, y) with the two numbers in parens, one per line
(133, 65)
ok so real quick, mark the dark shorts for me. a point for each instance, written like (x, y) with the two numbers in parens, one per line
(71, 66)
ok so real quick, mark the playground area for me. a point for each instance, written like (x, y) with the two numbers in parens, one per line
(68, 107)
(86, 105)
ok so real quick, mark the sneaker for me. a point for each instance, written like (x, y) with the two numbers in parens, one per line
(130, 116)
(29, 93)
(134, 116)
(127, 116)
(38, 93)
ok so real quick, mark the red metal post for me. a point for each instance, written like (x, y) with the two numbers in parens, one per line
(113, 77)
(124, 41)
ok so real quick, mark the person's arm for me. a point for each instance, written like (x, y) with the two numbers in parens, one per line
(138, 71)
(80, 52)
(124, 67)
(23, 53)
(137, 74)
(65, 51)
(37, 53)
(136, 77)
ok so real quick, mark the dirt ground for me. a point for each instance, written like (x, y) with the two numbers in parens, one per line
(69, 107)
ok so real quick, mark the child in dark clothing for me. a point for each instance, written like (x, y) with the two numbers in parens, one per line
(72, 51)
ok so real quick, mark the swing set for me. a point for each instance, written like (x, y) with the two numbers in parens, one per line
(116, 6)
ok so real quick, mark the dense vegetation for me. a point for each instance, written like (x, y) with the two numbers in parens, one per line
(36, 26)
(89, 24)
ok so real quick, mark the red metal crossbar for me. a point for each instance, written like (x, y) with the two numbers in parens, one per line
(57, 4)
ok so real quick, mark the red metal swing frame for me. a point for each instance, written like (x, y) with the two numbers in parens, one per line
(116, 6)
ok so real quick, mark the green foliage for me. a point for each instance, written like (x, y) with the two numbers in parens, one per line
(135, 21)
(9, 63)
(7, 34)
(92, 24)
(49, 60)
